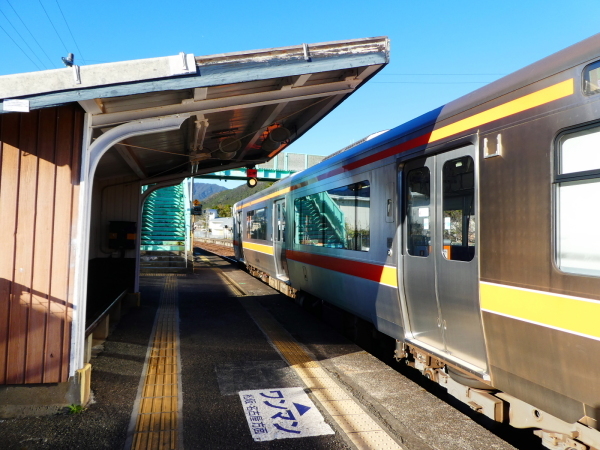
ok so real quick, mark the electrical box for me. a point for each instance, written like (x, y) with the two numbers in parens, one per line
(121, 235)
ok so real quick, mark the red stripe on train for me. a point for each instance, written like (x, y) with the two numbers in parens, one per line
(355, 268)
(395, 150)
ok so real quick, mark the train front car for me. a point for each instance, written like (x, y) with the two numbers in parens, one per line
(470, 235)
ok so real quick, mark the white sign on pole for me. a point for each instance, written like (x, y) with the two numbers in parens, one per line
(282, 413)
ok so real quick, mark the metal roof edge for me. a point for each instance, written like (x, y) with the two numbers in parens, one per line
(80, 77)
(146, 75)
(382, 43)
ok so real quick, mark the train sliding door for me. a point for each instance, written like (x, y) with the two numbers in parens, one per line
(441, 272)
(279, 238)
(457, 263)
(419, 263)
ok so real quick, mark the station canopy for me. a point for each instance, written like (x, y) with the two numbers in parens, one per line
(239, 109)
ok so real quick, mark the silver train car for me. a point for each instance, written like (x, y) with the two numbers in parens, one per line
(471, 235)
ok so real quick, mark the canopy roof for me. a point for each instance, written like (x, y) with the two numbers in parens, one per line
(243, 108)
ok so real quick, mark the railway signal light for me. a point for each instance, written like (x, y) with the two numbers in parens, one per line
(252, 175)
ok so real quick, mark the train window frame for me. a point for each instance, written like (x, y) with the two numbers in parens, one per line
(580, 173)
(421, 247)
(320, 241)
(586, 83)
(262, 230)
(569, 210)
(463, 225)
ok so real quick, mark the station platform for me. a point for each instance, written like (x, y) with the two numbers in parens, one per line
(216, 359)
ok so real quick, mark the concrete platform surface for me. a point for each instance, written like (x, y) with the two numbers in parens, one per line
(234, 333)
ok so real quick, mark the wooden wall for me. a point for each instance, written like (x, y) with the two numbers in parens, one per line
(39, 177)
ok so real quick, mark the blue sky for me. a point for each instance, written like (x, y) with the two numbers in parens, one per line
(441, 50)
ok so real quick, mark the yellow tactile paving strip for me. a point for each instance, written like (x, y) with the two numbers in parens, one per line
(158, 417)
(361, 429)
(157, 274)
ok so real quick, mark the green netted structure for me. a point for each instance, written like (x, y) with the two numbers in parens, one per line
(163, 220)
(163, 237)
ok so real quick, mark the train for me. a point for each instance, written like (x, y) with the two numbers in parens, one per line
(469, 235)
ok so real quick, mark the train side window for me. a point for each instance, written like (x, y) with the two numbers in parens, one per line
(418, 211)
(362, 234)
(458, 209)
(309, 221)
(591, 79)
(579, 151)
(577, 190)
(280, 222)
(256, 224)
(337, 218)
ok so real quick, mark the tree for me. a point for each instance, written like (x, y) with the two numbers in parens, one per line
(223, 210)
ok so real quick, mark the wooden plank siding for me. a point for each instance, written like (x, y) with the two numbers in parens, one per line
(40, 154)
(43, 245)
(25, 220)
(9, 132)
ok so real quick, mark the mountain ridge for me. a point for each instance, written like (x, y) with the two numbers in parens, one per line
(204, 190)
(231, 196)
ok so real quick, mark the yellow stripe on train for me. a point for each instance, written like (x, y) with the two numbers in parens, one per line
(262, 199)
(562, 312)
(541, 97)
(267, 249)
(389, 276)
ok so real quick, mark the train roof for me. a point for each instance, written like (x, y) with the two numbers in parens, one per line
(579, 53)
(587, 50)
